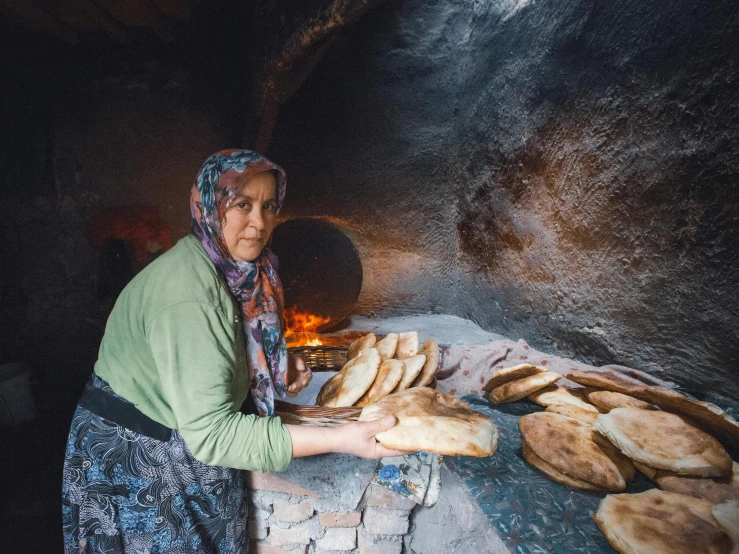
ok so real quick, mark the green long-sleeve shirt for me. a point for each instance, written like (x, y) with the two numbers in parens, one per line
(173, 346)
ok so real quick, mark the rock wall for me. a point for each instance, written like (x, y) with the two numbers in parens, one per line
(566, 173)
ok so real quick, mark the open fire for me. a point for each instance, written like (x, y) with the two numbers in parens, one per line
(301, 328)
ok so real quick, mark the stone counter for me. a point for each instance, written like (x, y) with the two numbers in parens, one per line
(287, 517)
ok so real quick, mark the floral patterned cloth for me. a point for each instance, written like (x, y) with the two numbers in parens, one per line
(256, 284)
(123, 492)
(416, 476)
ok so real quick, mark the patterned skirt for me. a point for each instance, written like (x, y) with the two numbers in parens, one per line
(126, 493)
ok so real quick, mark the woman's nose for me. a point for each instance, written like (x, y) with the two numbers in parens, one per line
(257, 218)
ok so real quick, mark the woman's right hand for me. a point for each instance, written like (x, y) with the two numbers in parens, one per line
(358, 438)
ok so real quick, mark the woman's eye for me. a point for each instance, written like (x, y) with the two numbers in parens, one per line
(270, 208)
(242, 205)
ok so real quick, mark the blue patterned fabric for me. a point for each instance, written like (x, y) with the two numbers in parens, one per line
(123, 492)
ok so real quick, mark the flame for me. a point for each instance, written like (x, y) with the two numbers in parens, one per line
(301, 328)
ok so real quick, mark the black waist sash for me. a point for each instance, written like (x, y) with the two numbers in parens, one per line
(120, 412)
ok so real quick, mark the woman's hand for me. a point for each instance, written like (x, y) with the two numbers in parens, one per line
(298, 375)
(357, 438)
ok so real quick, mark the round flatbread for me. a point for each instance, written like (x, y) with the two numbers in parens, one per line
(575, 412)
(658, 522)
(568, 396)
(569, 446)
(712, 489)
(433, 422)
(535, 461)
(707, 416)
(412, 367)
(388, 376)
(664, 441)
(407, 345)
(607, 400)
(367, 341)
(605, 380)
(624, 465)
(726, 515)
(386, 347)
(508, 374)
(516, 390)
(431, 351)
(349, 384)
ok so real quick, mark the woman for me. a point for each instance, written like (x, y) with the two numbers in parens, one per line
(158, 442)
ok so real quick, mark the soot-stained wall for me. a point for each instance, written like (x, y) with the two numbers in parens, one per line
(563, 172)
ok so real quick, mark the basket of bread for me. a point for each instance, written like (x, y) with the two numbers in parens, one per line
(396, 375)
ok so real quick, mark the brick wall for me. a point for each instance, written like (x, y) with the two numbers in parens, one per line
(284, 517)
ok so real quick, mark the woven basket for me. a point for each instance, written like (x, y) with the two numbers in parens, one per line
(322, 358)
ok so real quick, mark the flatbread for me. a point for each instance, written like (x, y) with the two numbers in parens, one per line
(624, 465)
(367, 341)
(608, 400)
(575, 412)
(712, 489)
(349, 384)
(568, 396)
(658, 522)
(664, 441)
(431, 351)
(433, 422)
(413, 367)
(508, 374)
(606, 380)
(532, 459)
(568, 446)
(388, 376)
(707, 416)
(726, 515)
(650, 472)
(516, 390)
(387, 346)
(407, 345)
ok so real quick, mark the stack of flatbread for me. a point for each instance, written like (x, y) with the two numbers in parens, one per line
(596, 433)
(375, 369)
(514, 383)
(570, 452)
(433, 422)
(661, 522)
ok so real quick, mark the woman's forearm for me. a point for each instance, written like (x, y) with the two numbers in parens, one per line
(357, 437)
(308, 441)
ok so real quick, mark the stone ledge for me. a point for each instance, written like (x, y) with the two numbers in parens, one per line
(260, 480)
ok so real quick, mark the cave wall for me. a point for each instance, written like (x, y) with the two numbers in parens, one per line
(567, 173)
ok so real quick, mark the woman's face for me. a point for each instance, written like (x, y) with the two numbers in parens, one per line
(250, 217)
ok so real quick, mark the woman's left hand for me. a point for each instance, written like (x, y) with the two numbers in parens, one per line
(298, 375)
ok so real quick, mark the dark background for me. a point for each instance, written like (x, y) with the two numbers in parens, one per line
(566, 173)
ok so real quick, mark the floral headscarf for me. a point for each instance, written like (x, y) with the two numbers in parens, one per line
(256, 284)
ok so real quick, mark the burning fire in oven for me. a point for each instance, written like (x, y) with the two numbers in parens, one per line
(301, 328)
